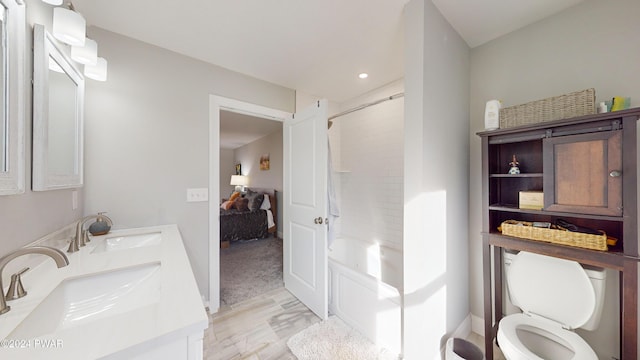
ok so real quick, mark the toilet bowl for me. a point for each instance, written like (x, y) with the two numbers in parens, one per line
(556, 296)
(522, 337)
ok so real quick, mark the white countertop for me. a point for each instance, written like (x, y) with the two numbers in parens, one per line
(178, 312)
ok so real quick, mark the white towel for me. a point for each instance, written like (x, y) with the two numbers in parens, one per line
(270, 222)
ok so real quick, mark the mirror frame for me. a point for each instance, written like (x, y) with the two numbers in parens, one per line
(45, 46)
(12, 181)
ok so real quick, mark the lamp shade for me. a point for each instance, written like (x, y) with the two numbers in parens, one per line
(239, 180)
(97, 71)
(53, 2)
(87, 54)
(69, 26)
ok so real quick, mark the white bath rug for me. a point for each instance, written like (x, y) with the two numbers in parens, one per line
(334, 340)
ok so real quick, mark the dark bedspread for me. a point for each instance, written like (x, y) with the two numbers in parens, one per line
(243, 225)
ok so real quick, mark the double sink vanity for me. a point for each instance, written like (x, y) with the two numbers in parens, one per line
(129, 294)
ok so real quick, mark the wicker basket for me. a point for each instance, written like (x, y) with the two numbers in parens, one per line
(526, 230)
(566, 106)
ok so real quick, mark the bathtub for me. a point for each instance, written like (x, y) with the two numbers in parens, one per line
(363, 290)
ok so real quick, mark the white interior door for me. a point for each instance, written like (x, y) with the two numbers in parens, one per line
(305, 207)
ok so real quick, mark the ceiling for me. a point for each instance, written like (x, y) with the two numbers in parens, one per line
(317, 47)
(237, 129)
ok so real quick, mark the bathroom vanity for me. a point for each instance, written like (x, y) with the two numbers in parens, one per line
(127, 294)
(586, 168)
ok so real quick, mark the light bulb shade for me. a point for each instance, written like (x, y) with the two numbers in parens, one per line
(53, 2)
(97, 71)
(69, 26)
(239, 180)
(87, 54)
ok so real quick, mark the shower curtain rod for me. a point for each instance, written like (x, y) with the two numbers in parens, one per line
(363, 106)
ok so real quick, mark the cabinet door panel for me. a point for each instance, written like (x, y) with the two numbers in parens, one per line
(577, 173)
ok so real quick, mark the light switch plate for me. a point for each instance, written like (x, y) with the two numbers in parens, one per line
(197, 195)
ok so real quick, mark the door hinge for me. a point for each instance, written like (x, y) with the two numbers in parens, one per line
(318, 103)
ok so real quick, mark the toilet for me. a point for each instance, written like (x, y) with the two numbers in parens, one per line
(556, 296)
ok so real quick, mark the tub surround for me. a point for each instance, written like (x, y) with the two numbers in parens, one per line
(362, 290)
(171, 325)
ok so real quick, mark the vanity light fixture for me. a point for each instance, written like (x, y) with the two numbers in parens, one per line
(363, 75)
(87, 54)
(98, 71)
(69, 26)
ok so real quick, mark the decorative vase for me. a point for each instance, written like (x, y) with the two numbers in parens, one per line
(101, 226)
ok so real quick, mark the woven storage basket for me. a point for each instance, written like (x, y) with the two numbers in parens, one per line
(526, 230)
(566, 106)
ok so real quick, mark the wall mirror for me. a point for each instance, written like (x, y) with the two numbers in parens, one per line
(58, 111)
(12, 93)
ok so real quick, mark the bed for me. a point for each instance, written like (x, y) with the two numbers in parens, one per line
(242, 221)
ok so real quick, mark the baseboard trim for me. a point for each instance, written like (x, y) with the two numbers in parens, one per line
(464, 329)
(477, 325)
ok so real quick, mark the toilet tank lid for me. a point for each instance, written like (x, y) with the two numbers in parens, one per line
(553, 288)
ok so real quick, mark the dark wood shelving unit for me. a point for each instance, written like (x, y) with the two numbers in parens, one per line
(515, 176)
(553, 158)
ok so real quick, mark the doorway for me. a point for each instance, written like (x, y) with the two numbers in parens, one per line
(216, 105)
(251, 152)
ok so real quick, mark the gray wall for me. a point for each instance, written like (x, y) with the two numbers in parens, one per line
(147, 137)
(436, 173)
(227, 168)
(29, 216)
(249, 156)
(593, 44)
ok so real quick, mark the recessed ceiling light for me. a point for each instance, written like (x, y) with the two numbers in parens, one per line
(363, 75)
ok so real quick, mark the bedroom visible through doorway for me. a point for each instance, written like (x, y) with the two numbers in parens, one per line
(249, 260)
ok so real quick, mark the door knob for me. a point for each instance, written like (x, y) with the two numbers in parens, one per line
(615, 173)
(318, 220)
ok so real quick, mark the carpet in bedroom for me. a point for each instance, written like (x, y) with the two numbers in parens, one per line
(250, 268)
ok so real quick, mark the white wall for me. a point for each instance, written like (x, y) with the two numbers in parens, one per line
(589, 45)
(227, 168)
(29, 216)
(370, 145)
(436, 173)
(147, 137)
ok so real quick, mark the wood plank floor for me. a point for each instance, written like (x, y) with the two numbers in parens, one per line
(258, 329)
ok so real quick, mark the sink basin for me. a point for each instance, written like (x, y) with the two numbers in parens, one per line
(80, 300)
(128, 242)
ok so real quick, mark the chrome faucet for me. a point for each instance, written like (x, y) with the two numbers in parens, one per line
(58, 256)
(81, 238)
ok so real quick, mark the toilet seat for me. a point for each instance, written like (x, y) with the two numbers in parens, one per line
(514, 349)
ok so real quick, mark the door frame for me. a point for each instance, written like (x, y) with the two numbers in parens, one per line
(216, 104)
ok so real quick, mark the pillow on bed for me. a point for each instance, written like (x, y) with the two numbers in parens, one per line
(255, 201)
(266, 203)
(242, 204)
(234, 196)
(227, 205)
